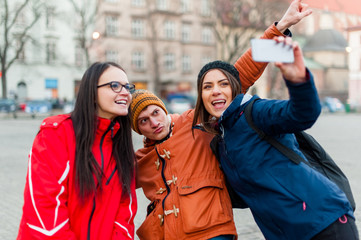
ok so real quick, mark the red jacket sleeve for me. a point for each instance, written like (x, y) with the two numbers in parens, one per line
(249, 70)
(45, 213)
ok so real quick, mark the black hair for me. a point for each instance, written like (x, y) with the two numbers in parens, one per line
(84, 119)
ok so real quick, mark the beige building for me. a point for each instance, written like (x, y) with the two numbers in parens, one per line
(333, 36)
(354, 91)
(162, 44)
(328, 48)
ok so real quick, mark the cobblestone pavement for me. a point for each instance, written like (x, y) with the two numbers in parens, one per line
(339, 134)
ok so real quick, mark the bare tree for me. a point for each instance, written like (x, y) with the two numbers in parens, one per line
(153, 38)
(85, 11)
(240, 20)
(16, 21)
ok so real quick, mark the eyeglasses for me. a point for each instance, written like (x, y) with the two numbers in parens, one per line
(118, 87)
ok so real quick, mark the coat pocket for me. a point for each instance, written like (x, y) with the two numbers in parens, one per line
(152, 228)
(204, 204)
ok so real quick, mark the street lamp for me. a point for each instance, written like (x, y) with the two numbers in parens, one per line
(95, 35)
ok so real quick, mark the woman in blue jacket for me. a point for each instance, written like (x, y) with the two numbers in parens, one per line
(288, 201)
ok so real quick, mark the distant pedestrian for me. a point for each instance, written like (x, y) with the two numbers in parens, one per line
(80, 181)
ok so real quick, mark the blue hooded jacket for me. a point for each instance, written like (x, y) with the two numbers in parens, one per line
(288, 201)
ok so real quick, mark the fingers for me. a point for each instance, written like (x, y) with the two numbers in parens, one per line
(285, 40)
(294, 14)
(303, 6)
(293, 72)
(303, 10)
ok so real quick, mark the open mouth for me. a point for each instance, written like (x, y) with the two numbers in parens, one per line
(124, 102)
(219, 103)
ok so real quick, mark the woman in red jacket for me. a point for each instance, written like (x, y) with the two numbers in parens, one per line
(80, 180)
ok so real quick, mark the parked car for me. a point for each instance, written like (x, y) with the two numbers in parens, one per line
(68, 107)
(56, 103)
(331, 104)
(179, 105)
(35, 107)
(8, 106)
(179, 102)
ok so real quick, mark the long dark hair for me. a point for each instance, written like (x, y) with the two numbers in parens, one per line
(201, 115)
(84, 119)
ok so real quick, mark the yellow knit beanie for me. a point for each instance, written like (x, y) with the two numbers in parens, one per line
(142, 99)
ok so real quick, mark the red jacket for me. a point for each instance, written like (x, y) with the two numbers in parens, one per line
(52, 208)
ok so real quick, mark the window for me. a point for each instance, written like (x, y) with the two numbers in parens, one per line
(137, 28)
(138, 3)
(51, 87)
(186, 32)
(162, 4)
(207, 35)
(21, 19)
(36, 49)
(138, 61)
(169, 61)
(50, 17)
(79, 57)
(111, 26)
(50, 51)
(186, 63)
(185, 6)
(205, 8)
(19, 43)
(111, 56)
(169, 29)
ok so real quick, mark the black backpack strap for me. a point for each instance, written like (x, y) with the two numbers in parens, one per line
(289, 153)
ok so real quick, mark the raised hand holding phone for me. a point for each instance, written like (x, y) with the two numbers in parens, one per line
(294, 72)
(268, 50)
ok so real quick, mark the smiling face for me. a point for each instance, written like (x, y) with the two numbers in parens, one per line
(216, 92)
(153, 122)
(110, 103)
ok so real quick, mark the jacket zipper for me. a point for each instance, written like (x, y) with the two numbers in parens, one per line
(110, 128)
(90, 218)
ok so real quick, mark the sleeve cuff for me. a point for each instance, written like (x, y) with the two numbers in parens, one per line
(308, 78)
(287, 33)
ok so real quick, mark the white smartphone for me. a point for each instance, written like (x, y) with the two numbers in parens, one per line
(267, 50)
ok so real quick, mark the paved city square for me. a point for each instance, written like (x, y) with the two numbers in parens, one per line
(340, 134)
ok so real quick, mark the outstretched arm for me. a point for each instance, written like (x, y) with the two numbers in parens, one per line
(250, 71)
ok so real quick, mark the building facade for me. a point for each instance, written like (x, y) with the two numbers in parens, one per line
(354, 91)
(162, 44)
(49, 65)
(337, 64)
